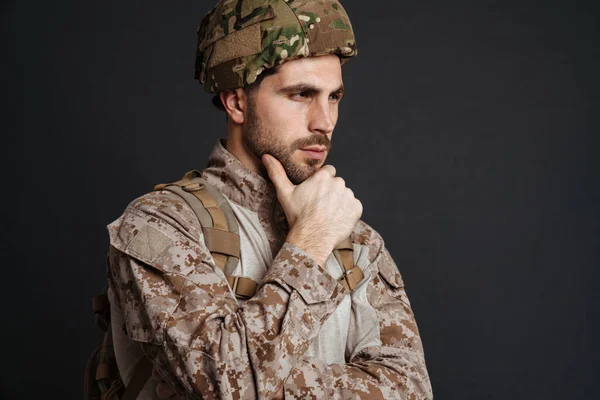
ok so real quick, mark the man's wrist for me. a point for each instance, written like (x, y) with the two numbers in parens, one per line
(319, 251)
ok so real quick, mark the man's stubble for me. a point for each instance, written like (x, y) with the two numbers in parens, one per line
(260, 140)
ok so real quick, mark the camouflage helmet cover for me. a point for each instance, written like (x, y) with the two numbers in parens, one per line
(239, 39)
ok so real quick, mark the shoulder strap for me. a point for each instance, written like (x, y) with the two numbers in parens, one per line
(102, 365)
(219, 225)
(344, 253)
(102, 379)
(141, 374)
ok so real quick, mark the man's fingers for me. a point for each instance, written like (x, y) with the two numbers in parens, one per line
(277, 173)
(329, 169)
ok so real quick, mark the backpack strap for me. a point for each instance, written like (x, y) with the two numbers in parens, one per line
(352, 275)
(101, 309)
(141, 374)
(105, 363)
(219, 225)
(102, 378)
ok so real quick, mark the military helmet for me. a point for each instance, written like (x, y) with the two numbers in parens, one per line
(239, 39)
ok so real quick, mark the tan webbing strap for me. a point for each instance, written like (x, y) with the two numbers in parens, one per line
(201, 213)
(230, 264)
(224, 245)
(223, 242)
(347, 259)
(108, 340)
(101, 308)
(219, 225)
(222, 202)
(192, 174)
(220, 260)
(183, 182)
(141, 374)
(352, 274)
(105, 371)
(107, 368)
(100, 304)
(113, 391)
(198, 189)
(90, 388)
(345, 244)
(187, 179)
(209, 202)
(232, 225)
(351, 278)
(180, 183)
(192, 183)
(241, 286)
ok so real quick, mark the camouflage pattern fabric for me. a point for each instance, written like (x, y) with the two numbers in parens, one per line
(239, 39)
(207, 345)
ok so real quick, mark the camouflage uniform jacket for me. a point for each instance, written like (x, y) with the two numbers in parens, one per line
(206, 344)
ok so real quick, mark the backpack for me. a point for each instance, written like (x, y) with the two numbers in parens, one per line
(102, 380)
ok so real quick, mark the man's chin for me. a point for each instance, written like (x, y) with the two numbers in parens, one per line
(298, 173)
(311, 166)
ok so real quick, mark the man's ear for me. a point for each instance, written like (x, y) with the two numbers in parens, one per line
(235, 104)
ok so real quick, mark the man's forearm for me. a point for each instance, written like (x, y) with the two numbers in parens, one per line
(214, 346)
(395, 369)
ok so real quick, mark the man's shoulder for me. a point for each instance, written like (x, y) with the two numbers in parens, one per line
(161, 204)
(365, 235)
(161, 210)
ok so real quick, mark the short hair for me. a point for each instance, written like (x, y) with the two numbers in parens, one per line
(216, 100)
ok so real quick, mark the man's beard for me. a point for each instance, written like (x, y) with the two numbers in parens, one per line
(260, 140)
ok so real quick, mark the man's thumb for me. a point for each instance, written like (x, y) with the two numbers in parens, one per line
(277, 173)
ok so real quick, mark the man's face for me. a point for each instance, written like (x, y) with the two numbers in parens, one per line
(292, 114)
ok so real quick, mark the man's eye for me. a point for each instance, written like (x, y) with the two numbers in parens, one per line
(301, 94)
(335, 97)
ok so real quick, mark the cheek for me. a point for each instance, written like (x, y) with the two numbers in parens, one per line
(287, 119)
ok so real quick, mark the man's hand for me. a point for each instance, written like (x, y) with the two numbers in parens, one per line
(321, 211)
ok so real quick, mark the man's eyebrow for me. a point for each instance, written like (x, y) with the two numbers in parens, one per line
(340, 90)
(307, 88)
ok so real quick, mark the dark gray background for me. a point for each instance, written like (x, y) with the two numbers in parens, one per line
(469, 131)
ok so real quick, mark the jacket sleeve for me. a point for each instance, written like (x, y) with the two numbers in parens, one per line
(393, 369)
(178, 303)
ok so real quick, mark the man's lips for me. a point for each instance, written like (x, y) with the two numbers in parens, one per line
(315, 148)
(317, 152)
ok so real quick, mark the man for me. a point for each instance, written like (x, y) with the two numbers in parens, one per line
(276, 66)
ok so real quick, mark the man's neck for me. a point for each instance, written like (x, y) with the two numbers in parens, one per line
(235, 145)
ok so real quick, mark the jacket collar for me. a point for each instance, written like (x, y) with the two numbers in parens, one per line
(249, 190)
(236, 181)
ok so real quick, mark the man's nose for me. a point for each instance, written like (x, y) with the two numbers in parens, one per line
(322, 119)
